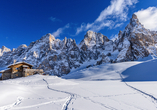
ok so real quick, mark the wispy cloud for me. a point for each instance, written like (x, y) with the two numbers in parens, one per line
(118, 25)
(81, 28)
(110, 16)
(118, 9)
(53, 19)
(148, 17)
(60, 31)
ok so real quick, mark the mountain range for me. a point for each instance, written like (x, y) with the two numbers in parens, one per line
(59, 57)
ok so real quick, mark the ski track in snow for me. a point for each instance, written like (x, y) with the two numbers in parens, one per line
(115, 95)
(72, 96)
(154, 99)
(127, 104)
(69, 99)
(149, 95)
(66, 103)
(7, 107)
(45, 103)
(108, 107)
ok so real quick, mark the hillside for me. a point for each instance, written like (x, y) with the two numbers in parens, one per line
(60, 57)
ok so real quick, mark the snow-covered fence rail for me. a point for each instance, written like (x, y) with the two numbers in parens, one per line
(34, 70)
(28, 72)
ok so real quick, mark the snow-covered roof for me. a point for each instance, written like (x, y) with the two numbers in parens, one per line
(19, 63)
(4, 70)
(25, 66)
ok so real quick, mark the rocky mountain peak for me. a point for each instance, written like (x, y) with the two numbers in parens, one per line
(58, 57)
(90, 34)
(132, 28)
(65, 40)
(47, 38)
(20, 48)
(134, 16)
(68, 43)
(51, 38)
(92, 39)
(5, 49)
(134, 20)
(135, 41)
(74, 42)
(13, 49)
(23, 46)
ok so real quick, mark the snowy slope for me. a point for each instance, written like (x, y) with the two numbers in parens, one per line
(101, 73)
(146, 71)
(96, 88)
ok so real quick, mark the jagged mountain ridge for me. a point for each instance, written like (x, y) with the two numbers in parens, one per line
(58, 57)
(135, 41)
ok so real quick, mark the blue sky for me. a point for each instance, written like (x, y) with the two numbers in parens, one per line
(24, 21)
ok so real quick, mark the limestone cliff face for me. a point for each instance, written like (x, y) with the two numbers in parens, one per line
(135, 41)
(94, 45)
(4, 50)
(59, 57)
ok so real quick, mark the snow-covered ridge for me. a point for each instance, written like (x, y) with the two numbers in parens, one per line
(58, 57)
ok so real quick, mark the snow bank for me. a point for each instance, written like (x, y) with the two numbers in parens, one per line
(101, 72)
(146, 71)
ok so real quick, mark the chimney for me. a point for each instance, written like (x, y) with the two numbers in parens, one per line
(14, 61)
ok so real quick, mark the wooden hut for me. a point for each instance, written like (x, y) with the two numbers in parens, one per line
(5, 74)
(20, 69)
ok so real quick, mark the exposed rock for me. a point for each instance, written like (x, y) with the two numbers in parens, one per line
(99, 62)
(134, 41)
(58, 57)
(106, 60)
(4, 50)
(89, 66)
(108, 54)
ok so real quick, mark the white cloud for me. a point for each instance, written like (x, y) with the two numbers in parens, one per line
(148, 17)
(94, 26)
(118, 25)
(80, 29)
(53, 19)
(117, 10)
(60, 31)
(97, 27)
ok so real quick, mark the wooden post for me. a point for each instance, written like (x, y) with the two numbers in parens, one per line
(2, 76)
(11, 72)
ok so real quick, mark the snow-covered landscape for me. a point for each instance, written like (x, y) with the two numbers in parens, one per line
(119, 86)
(84, 60)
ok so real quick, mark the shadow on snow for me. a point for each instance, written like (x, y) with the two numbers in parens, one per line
(146, 71)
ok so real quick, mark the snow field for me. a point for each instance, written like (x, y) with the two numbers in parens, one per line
(106, 87)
